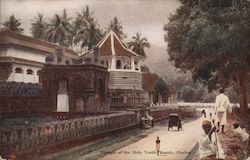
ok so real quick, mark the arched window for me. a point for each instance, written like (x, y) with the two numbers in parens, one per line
(118, 64)
(136, 65)
(29, 71)
(18, 70)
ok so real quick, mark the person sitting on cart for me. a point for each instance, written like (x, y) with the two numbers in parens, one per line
(209, 145)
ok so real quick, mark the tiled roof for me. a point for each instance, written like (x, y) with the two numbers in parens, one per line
(149, 81)
(19, 60)
(112, 45)
(105, 49)
(10, 37)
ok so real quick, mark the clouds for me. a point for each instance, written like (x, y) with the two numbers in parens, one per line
(145, 16)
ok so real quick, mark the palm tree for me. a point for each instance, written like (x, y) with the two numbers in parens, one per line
(83, 18)
(88, 35)
(138, 44)
(115, 26)
(86, 30)
(13, 24)
(60, 30)
(39, 27)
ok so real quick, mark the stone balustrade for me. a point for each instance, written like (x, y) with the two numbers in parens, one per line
(18, 139)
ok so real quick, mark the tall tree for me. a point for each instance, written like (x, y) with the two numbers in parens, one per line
(88, 35)
(13, 24)
(83, 18)
(39, 27)
(210, 38)
(116, 26)
(138, 44)
(60, 29)
(86, 29)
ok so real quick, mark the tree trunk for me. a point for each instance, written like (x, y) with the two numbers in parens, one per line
(242, 92)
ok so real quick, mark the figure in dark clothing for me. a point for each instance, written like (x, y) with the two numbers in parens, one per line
(157, 145)
(204, 113)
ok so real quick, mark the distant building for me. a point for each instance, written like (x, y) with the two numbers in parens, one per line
(124, 66)
(156, 90)
(22, 56)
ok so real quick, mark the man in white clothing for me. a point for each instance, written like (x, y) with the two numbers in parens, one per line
(244, 136)
(222, 104)
(209, 145)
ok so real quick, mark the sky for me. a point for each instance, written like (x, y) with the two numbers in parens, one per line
(144, 16)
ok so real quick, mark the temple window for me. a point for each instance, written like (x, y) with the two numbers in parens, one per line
(118, 64)
(136, 65)
(29, 71)
(18, 70)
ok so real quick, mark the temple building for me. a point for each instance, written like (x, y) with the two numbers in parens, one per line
(65, 83)
(157, 91)
(124, 66)
(56, 79)
(74, 88)
(22, 56)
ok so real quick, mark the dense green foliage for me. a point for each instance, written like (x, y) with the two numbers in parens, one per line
(116, 26)
(59, 29)
(138, 44)
(82, 31)
(13, 24)
(210, 38)
(86, 29)
(39, 27)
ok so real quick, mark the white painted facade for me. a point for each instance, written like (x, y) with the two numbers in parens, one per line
(28, 73)
(123, 64)
(26, 63)
(22, 53)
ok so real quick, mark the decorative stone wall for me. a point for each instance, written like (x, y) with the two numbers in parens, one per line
(13, 89)
(85, 85)
(16, 97)
(16, 140)
(126, 98)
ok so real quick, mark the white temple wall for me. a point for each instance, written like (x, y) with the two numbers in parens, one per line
(24, 77)
(23, 53)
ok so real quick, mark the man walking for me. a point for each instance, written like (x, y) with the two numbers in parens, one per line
(222, 104)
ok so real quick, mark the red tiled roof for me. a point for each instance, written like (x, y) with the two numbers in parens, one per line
(149, 81)
(105, 49)
(10, 37)
(112, 45)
